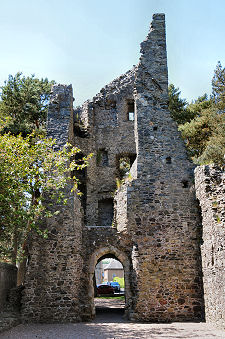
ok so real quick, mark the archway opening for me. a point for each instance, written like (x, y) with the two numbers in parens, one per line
(103, 253)
(109, 285)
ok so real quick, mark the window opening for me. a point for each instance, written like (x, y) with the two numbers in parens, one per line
(212, 261)
(102, 158)
(105, 212)
(131, 116)
(79, 128)
(81, 175)
(130, 110)
(124, 164)
(185, 183)
(168, 160)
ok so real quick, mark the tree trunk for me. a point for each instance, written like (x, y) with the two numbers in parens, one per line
(15, 246)
(37, 124)
(21, 271)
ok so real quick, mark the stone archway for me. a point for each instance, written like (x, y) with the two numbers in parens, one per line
(123, 258)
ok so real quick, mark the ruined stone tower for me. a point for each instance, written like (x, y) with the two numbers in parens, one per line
(149, 220)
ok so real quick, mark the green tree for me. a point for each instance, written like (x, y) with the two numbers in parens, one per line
(120, 281)
(198, 105)
(25, 103)
(218, 87)
(204, 135)
(178, 107)
(29, 168)
(29, 171)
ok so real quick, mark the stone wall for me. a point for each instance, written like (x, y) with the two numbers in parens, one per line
(110, 134)
(10, 297)
(210, 188)
(162, 212)
(155, 229)
(60, 115)
(8, 278)
(53, 274)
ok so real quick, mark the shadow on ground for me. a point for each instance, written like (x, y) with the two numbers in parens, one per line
(107, 315)
(108, 324)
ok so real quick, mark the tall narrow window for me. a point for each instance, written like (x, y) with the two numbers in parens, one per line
(105, 212)
(130, 110)
(81, 175)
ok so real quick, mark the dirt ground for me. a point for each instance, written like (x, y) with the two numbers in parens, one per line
(109, 303)
(110, 324)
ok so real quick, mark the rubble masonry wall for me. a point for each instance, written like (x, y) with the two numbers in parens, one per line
(210, 188)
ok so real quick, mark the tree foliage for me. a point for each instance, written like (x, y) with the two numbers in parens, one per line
(120, 281)
(178, 107)
(29, 171)
(218, 87)
(25, 103)
(202, 123)
(200, 104)
(204, 137)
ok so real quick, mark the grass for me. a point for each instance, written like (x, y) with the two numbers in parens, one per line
(121, 297)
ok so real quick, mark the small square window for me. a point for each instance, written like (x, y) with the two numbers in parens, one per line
(168, 160)
(184, 183)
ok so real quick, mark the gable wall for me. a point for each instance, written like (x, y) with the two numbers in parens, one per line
(156, 227)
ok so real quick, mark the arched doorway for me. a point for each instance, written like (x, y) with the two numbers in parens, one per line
(110, 252)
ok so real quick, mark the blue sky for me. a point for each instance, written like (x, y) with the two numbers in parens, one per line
(90, 42)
